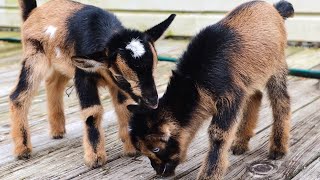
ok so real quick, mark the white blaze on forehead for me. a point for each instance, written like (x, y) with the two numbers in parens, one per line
(136, 47)
(58, 52)
(50, 31)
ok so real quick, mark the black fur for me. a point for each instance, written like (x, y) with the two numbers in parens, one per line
(93, 133)
(125, 86)
(22, 84)
(285, 9)
(86, 85)
(25, 136)
(158, 30)
(94, 32)
(205, 65)
(27, 6)
(90, 29)
(37, 45)
(181, 98)
(213, 156)
(227, 112)
(121, 97)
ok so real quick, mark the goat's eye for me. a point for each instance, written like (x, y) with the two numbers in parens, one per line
(118, 76)
(155, 150)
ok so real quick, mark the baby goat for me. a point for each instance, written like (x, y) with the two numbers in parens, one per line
(221, 74)
(62, 34)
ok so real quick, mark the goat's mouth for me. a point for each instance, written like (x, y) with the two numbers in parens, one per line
(151, 103)
(165, 169)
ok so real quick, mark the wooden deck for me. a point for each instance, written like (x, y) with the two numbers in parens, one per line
(63, 159)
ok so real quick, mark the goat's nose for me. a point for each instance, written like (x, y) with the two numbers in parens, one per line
(152, 102)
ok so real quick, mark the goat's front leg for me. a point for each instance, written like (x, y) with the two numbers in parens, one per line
(120, 101)
(92, 113)
(221, 134)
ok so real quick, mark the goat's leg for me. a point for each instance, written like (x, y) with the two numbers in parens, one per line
(221, 134)
(120, 102)
(55, 85)
(280, 102)
(247, 124)
(92, 113)
(32, 72)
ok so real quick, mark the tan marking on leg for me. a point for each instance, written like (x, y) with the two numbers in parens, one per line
(19, 107)
(225, 138)
(94, 157)
(123, 116)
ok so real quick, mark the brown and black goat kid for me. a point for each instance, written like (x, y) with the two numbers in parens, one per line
(64, 39)
(221, 74)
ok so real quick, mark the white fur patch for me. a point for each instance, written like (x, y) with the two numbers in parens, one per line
(136, 47)
(51, 31)
(58, 52)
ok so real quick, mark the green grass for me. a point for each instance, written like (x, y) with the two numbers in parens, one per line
(9, 49)
(7, 34)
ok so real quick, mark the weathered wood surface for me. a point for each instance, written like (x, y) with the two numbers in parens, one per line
(192, 14)
(62, 159)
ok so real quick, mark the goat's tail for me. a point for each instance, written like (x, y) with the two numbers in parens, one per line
(26, 7)
(285, 9)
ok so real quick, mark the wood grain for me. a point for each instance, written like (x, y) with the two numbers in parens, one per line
(62, 159)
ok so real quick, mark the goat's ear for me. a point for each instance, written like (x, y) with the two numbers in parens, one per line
(91, 62)
(137, 109)
(156, 31)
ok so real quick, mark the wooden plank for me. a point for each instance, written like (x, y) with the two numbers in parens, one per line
(140, 168)
(312, 171)
(304, 148)
(63, 158)
(187, 6)
(305, 59)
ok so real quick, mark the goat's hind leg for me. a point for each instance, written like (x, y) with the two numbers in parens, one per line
(280, 102)
(247, 124)
(33, 70)
(55, 85)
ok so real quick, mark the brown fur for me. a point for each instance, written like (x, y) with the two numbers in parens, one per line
(94, 157)
(47, 55)
(123, 116)
(225, 137)
(247, 124)
(55, 85)
(258, 63)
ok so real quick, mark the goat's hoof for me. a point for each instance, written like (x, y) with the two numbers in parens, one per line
(132, 154)
(24, 154)
(275, 155)
(129, 150)
(95, 161)
(58, 135)
(238, 150)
